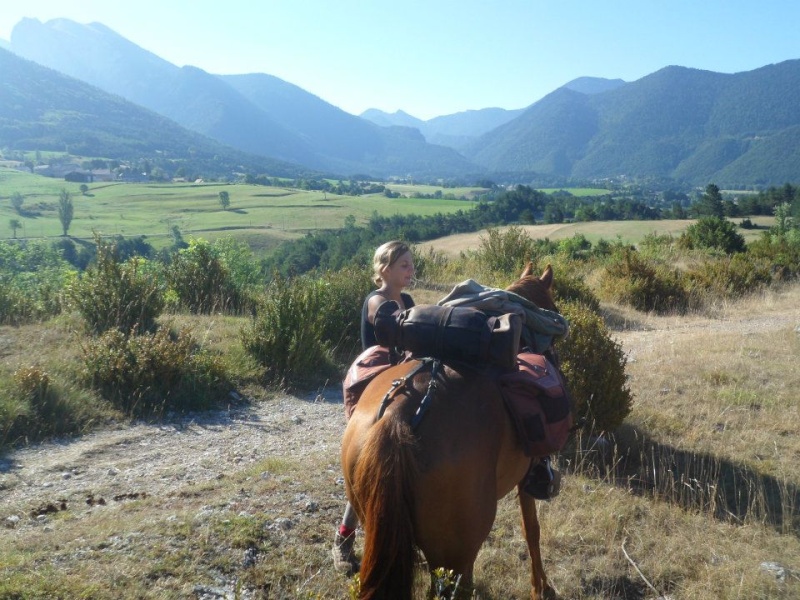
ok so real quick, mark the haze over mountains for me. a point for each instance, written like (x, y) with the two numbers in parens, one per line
(41, 109)
(679, 123)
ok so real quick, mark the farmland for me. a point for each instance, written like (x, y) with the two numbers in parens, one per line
(260, 215)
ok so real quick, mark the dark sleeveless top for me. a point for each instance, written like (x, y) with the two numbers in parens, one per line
(367, 328)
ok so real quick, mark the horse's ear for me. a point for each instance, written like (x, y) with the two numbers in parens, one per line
(547, 276)
(528, 272)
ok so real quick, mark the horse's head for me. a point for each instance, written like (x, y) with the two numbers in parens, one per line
(538, 290)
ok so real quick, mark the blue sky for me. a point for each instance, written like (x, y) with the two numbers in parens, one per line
(436, 57)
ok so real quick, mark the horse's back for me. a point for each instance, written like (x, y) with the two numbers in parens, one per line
(466, 450)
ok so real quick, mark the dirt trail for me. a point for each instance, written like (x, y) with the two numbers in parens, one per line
(143, 460)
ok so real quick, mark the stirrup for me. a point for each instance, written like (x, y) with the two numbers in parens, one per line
(542, 481)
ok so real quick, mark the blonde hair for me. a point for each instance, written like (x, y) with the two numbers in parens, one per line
(385, 256)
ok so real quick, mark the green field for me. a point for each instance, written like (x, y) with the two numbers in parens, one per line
(259, 215)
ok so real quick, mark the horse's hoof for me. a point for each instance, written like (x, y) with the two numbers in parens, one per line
(550, 594)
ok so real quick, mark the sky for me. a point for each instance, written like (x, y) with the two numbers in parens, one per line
(439, 57)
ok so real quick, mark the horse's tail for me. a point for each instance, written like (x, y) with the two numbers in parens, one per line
(383, 476)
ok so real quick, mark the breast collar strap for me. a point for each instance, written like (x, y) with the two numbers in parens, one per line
(401, 382)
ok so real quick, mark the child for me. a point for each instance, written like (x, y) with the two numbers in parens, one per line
(393, 266)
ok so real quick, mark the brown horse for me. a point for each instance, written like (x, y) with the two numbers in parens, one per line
(437, 487)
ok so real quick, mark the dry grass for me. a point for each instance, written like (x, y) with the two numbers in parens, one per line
(700, 490)
(702, 487)
(628, 231)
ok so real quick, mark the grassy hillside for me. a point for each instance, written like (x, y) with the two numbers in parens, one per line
(687, 124)
(45, 110)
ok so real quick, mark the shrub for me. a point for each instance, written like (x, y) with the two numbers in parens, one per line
(16, 307)
(780, 251)
(147, 374)
(32, 279)
(430, 266)
(730, 276)
(655, 244)
(203, 281)
(569, 287)
(577, 246)
(645, 285)
(33, 407)
(712, 233)
(505, 251)
(13, 410)
(117, 295)
(747, 224)
(34, 384)
(287, 333)
(342, 296)
(594, 365)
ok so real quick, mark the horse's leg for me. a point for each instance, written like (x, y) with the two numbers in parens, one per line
(456, 556)
(459, 587)
(454, 516)
(540, 588)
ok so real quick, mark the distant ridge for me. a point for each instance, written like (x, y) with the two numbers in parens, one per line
(397, 118)
(593, 85)
(256, 113)
(685, 124)
(456, 130)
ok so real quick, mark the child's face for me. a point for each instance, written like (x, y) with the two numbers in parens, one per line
(400, 273)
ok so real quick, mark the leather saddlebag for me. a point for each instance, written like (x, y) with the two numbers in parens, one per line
(450, 333)
(539, 403)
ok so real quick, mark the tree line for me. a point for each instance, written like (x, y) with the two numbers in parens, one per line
(333, 249)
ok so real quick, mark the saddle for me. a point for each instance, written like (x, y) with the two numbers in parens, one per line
(535, 395)
(533, 389)
(365, 368)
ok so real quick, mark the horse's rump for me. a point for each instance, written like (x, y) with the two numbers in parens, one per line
(409, 485)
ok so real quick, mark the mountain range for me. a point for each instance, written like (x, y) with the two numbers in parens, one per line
(460, 129)
(255, 113)
(677, 123)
